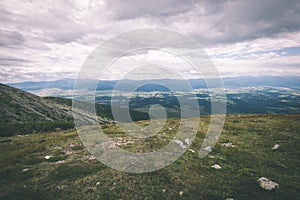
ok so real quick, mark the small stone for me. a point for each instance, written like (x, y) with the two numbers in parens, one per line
(216, 166)
(180, 193)
(208, 148)
(188, 141)
(164, 190)
(228, 144)
(47, 157)
(180, 143)
(25, 170)
(267, 184)
(98, 183)
(69, 152)
(276, 146)
(263, 179)
(191, 150)
(211, 156)
(59, 162)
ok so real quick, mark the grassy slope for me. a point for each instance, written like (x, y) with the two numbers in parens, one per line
(22, 112)
(76, 177)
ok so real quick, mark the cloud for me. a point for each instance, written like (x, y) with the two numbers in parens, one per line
(10, 38)
(128, 9)
(40, 39)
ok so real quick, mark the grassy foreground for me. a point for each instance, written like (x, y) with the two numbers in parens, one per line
(71, 173)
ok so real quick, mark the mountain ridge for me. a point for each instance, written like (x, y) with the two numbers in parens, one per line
(239, 81)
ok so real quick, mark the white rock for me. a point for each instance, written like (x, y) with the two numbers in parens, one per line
(211, 156)
(25, 170)
(229, 199)
(208, 148)
(47, 157)
(228, 144)
(267, 184)
(216, 166)
(59, 162)
(180, 143)
(263, 179)
(170, 129)
(180, 193)
(188, 141)
(98, 183)
(192, 150)
(276, 146)
(164, 190)
(69, 152)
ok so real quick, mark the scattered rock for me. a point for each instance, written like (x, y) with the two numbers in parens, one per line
(180, 143)
(98, 183)
(216, 166)
(47, 157)
(69, 152)
(25, 170)
(114, 184)
(208, 148)
(180, 193)
(228, 144)
(191, 150)
(276, 146)
(89, 157)
(188, 141)
(267, 184)
(59, 162)
(164, 190)
(170, 129)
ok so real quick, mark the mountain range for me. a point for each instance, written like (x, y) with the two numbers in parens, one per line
(229, 82)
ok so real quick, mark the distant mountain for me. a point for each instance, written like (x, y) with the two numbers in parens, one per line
(22, 112)
(241, 81)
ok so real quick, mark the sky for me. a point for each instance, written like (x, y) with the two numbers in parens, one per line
(49, 40)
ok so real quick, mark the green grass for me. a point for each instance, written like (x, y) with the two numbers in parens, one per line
(69, 174)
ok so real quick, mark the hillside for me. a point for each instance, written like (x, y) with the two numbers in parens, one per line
(19, 106)
(72, 173)
(22, 112)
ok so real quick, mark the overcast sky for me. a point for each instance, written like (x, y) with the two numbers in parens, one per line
(48, 40)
